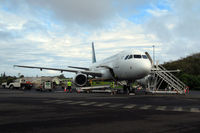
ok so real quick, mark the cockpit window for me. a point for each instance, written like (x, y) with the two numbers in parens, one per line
(130, 56)
(137, 56)
(144, 57)
(126, 57)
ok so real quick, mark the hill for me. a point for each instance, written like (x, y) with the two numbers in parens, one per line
(190, 70)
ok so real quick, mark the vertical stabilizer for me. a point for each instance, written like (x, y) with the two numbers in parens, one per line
(93, 54)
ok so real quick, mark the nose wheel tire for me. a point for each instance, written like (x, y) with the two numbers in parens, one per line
(23, 87)
(11, 87)
(126, 89)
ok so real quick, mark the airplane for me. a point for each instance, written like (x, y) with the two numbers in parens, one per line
(128, 65)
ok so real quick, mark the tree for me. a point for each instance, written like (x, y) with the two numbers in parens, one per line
(61, 76)
(4, 75)
(21, 76)
(190, 72)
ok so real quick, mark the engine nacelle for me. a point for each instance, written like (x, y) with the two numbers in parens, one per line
(80, 79)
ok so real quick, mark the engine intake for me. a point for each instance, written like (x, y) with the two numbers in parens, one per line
(80, 79)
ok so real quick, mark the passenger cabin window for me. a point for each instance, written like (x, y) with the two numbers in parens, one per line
(144, 57)
(130, 56)
(126, 57)
(137, 56)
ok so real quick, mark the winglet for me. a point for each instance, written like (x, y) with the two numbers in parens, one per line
(93, 54)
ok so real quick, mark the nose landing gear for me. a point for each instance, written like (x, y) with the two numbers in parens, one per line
(128, 88)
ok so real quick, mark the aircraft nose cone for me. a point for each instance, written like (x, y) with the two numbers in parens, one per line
(147, 68)
(144, 69)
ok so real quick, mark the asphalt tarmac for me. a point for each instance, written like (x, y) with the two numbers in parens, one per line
(58, 112)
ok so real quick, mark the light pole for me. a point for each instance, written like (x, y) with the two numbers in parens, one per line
(153, 54)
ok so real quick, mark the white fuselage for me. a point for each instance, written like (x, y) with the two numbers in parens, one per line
(126, 65)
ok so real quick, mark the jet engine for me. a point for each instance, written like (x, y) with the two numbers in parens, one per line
(80, 79)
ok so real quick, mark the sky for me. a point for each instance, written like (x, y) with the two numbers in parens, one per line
(59, 33)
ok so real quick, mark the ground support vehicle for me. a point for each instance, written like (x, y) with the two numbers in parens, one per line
(46, 86)
(18, 83)
(102, 88)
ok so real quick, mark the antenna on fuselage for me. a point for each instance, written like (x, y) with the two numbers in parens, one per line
(93, 54)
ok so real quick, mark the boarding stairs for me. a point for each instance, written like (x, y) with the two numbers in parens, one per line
(160, 74)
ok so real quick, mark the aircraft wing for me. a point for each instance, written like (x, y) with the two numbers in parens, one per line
(83, 68)
(92, 73)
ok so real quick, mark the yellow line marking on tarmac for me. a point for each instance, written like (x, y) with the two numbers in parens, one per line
(52, 101)
(60, 102)
(115, 105)
(161, 108)
(45, 99)
(102, 104)
(194, 110)
(145, 107)
(68, 101)
(77, 102)
(89, 103)
(48, 101)
(178, 109)
(130, 106)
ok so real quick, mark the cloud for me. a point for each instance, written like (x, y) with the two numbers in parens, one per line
(77, 12)
(59, 33)
(52, 50)
(177, 29)
(5, 35)
(87, 13)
